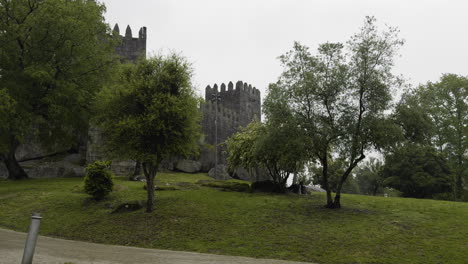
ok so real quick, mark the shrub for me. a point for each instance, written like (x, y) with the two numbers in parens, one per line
(266, 186)
(98, 181)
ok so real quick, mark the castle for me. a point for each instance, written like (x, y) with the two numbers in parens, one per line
(233, 107)
(236, 107)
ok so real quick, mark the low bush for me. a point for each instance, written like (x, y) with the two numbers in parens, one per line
(98, 181)
(266, 186)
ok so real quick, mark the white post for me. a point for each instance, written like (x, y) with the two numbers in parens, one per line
(31, 239)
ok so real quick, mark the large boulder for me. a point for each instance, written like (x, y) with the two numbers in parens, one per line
(254, 176)
(206, 158)
(53, 167)
(219, 173)
(168, 164)
(189, 166)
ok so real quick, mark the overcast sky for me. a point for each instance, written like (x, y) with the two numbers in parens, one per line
(241, 39)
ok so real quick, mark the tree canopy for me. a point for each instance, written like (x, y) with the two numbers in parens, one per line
(54, 56)
(436, 114)
(417, 171)
(151, 113)
(369, 177)
(339, 99)
(277, 146)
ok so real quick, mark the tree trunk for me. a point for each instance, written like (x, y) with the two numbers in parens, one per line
(374, 191)
(136, 171)
(150, 194)
(337, 202)
(459, 178)
(15, 172)
(150, 171)
(324, 162)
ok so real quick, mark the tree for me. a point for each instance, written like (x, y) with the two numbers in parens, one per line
(417, 171)
(340, 101)
(436, 114)
(276, 146)
(275, 149)
(151, 113)
(54, 55)
(336, 168)
(369, 177)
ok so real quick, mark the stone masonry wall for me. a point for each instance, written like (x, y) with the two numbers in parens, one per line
(235, 108)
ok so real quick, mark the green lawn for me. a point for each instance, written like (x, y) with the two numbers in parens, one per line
(209, 220)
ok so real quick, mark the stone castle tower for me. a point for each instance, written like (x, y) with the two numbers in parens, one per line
(130, 48)
(237, 107)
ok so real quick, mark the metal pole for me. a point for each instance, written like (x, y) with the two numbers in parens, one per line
(216, 138)
(215, 97)
(31, 239)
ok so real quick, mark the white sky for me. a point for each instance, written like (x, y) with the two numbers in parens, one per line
(241, 39)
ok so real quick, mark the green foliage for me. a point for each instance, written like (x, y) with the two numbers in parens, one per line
(369, 177)
(54, 56)
(339, 99)
(98, 181)
(240, 147)
(7, 118)
(336, 168)
(151, 113)
(417, 171)
(436, 114)
(366, 230)
(275, 149)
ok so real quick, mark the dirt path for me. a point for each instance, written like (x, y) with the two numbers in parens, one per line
(59, 251)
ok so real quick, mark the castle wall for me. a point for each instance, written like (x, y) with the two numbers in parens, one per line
(237, 107)
(131, 49)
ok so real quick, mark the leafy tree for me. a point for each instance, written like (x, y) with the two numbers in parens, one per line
(151, 113)
(336, 168)
(277, 146)
(53, 56)
(417, 171)
(446, 103)
(339, 100)
(436, 114)
(241, 147)
(275, 149)
(369, 177)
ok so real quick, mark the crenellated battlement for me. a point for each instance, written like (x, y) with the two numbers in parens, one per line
(128, 32)
(130, 48)
(229, 89)
(238, 105)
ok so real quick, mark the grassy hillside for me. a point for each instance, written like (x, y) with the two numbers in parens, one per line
(209, 220)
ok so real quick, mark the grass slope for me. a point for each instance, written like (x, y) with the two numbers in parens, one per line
(203, 219)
